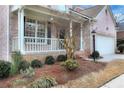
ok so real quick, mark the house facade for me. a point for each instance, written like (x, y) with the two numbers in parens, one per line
(104, 27)
(37, 31)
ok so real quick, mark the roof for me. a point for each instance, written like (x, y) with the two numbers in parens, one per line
(95, 10)
(92, 11)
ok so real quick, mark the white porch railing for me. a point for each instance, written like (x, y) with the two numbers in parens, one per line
(32, 44)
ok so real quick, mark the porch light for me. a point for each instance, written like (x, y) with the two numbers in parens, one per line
(51, 19)
(93, 32)
(94, 48)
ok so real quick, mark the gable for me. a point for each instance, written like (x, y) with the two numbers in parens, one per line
(105, 23)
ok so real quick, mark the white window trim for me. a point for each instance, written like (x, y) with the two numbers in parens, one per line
(36, 30)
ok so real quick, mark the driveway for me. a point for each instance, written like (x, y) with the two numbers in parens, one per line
(115, 83)
(108, 58)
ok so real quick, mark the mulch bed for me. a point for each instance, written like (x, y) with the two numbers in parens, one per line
(60, 73)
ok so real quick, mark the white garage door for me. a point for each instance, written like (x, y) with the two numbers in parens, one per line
(105, 45)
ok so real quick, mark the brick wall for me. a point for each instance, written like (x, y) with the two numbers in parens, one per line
(13, 25)
(120, 35)
(3, 32)
(105, 25)
(13, 29)
(86, 38)
(41, 56)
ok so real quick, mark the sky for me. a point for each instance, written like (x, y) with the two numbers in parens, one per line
(117, 9)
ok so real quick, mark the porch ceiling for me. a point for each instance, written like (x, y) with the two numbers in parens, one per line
(41, 16)
(54, 13)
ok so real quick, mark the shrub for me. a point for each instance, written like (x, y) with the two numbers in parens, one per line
(44, 82)
(70, 64)
(61, 58)
(5, 68)
(17, 58)
(24, 65)
(36, 64)
(49, 60)
(95, 54)
(121, 48)
(28, 73)
(14, 70)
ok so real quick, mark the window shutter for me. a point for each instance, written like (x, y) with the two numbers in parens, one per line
(49, 32)
(24, 26)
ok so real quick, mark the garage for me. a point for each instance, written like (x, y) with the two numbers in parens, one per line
(105, 45)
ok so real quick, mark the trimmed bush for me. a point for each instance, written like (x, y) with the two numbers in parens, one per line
(44, 82)
(70, 64)
(36, 64)
(95, 54)
(49, 60)
(24, 65)
(5, 68)
(61, 58)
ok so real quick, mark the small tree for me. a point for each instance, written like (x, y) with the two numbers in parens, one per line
(69, 45)
(70, 64)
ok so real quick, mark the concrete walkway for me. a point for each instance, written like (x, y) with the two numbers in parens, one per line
(115, 83)
(109, 58)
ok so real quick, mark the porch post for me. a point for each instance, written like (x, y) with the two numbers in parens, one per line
(19, 26)
(21, 30)
(81, 37)
(71, 28)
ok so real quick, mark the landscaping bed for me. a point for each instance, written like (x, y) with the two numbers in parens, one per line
(97, 79)
(61, 75)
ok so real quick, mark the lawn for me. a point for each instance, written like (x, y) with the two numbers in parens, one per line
(61, 75)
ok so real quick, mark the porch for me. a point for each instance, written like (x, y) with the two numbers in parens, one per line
(42, 30)
(37, 45)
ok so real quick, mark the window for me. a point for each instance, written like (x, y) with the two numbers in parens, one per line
(35, 28)
(30, 26)
(41, 29)
(62, 34)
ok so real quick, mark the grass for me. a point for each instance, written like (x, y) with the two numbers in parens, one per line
(97, 79)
